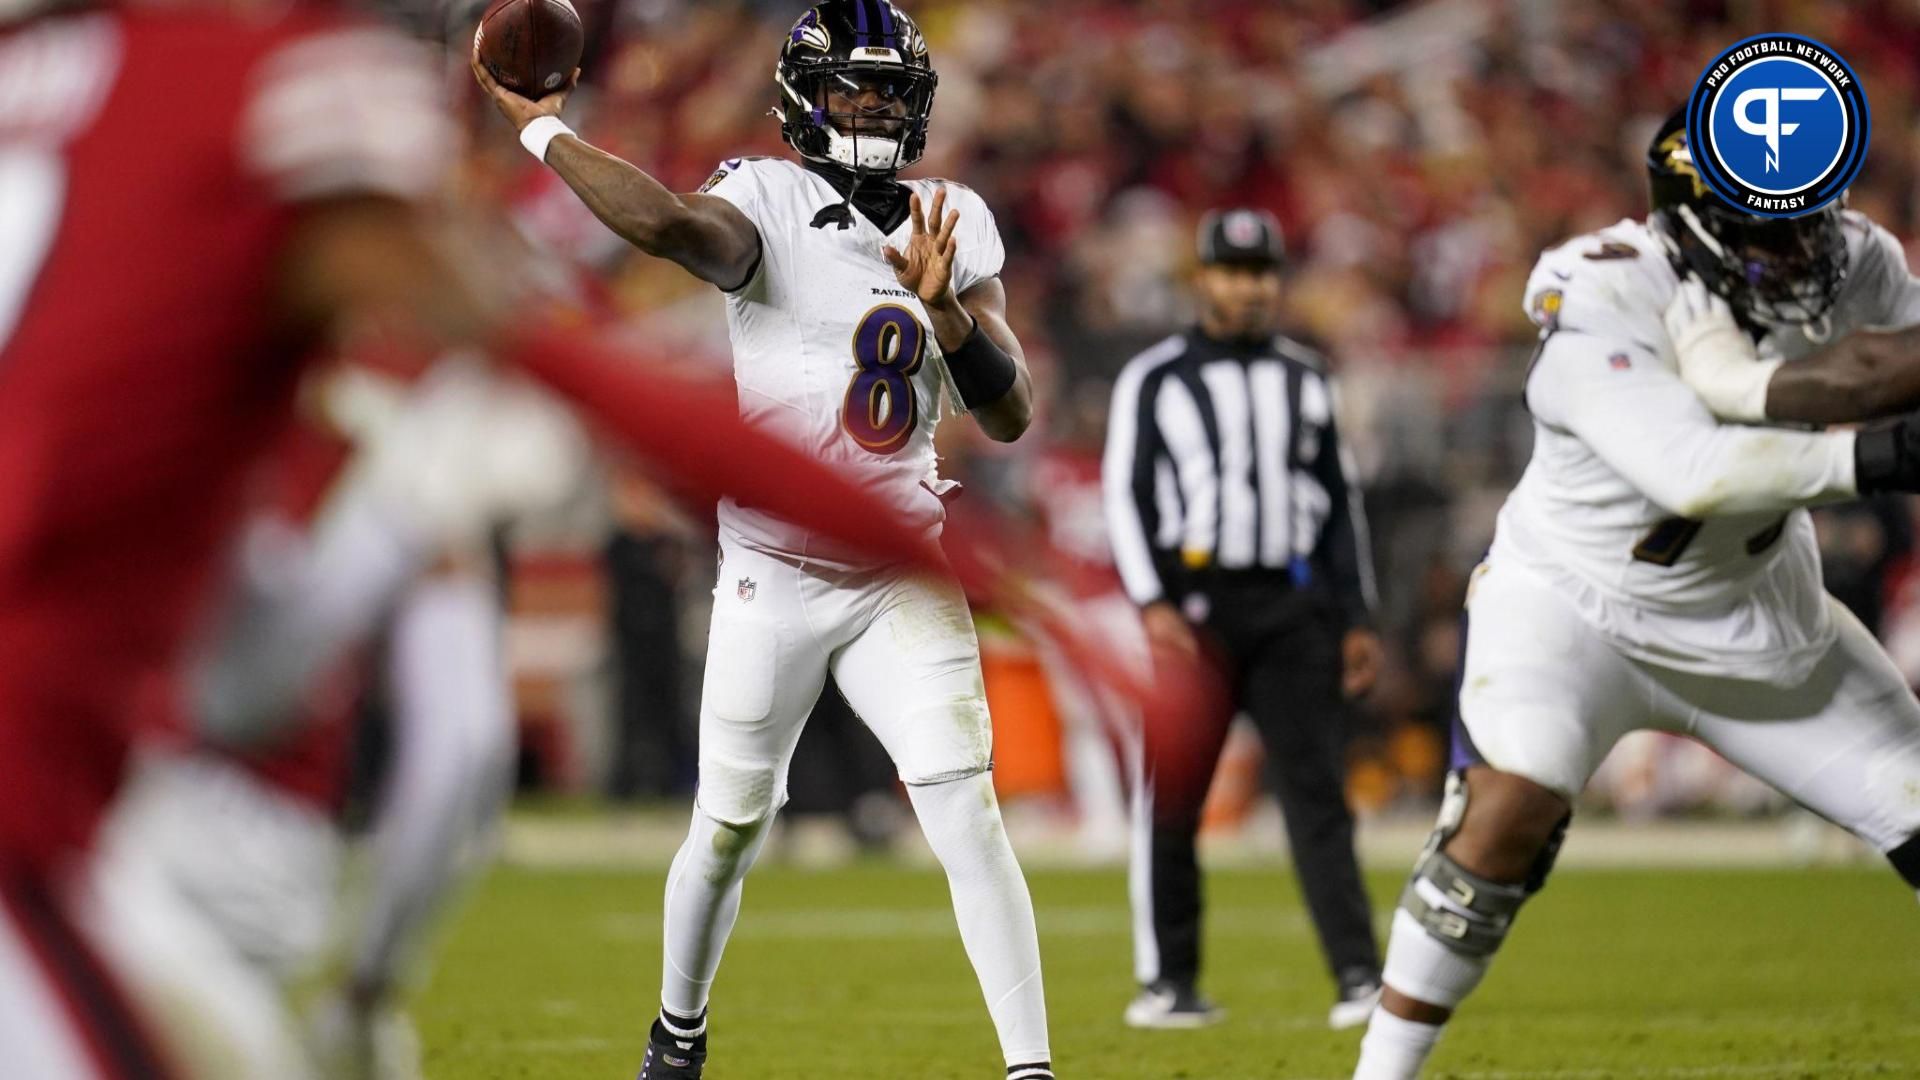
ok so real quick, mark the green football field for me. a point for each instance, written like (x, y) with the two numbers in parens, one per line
(858, 973)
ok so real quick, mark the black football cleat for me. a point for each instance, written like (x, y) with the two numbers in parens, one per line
(674, 1057)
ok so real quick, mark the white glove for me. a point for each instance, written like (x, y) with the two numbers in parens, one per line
(1717, 358)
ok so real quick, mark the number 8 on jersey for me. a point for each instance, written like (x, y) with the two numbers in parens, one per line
(880, 410)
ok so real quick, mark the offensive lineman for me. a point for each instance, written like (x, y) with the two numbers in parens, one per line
(1656, 567)
(851, 309)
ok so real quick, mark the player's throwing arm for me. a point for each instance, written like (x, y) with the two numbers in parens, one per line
(708, 236)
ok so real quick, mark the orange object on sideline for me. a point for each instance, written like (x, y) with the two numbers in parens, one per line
(1026, 729)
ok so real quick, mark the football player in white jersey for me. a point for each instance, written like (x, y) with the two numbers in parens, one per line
(861, 309)
(1655, 567)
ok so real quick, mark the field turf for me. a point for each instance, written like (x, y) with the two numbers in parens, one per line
(859, 973)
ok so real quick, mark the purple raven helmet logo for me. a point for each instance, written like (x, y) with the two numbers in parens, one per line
(810, 33)
(915, 42)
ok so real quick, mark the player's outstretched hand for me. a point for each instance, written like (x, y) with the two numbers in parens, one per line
(1716, 357)
(1699, 317)
(522, 111)
(926, 266)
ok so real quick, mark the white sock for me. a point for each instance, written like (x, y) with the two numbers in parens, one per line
(961, 820)
(1427, 969)
(1394, 1048)
(703, 900)
(452, 755)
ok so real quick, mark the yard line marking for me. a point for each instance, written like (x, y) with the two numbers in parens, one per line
(1678, 1072)
(890, 924)
(577, 1044)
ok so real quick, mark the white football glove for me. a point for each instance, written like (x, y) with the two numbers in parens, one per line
(1717, 358)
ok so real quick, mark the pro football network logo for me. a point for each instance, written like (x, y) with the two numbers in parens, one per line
(1778, 124)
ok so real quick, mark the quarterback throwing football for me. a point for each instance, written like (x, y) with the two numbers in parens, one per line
(1656, 565)
(859, 306)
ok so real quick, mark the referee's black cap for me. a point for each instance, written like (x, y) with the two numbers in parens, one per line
(1241, 237)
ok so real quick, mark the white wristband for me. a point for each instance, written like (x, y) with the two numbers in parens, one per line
(540, 133)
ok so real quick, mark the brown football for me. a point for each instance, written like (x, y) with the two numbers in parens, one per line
(531, 46)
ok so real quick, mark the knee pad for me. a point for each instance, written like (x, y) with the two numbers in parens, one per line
(741, 796)
(729, 843)
(1906, 860)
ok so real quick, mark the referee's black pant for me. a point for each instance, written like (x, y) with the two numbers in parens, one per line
(1280, 651)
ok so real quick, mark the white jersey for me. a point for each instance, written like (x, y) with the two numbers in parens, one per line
(832, 353)
(1682, 539)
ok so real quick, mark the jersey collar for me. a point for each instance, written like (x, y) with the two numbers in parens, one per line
(881, 199)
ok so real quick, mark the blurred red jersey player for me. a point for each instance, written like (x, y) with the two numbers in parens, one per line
(188, 197)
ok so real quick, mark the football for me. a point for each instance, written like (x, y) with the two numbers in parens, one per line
(531, 46)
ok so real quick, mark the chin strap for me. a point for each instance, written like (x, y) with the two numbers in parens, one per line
(841, 213)
(872, 192)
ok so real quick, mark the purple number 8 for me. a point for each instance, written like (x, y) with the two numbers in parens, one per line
(880, 410)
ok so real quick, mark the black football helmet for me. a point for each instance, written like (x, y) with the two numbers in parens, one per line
(850, 46)
(1771, 271)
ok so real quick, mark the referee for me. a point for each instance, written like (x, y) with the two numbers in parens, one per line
(1237, 532)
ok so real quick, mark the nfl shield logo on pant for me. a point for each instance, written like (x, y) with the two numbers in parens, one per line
(744, 590)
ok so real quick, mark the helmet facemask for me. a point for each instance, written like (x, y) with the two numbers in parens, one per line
(866, 116)
(856, 87)
(1774, 271)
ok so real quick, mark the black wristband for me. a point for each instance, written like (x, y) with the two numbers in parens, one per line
(982, 371)
(1877, 460)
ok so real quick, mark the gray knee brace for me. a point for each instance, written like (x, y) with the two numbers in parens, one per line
(1468, 912)
(1458, 906)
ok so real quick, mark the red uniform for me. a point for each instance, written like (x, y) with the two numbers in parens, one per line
(151, 166)
(310, 764)
(1067, 498)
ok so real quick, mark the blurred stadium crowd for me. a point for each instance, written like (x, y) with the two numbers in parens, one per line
(1420, 156)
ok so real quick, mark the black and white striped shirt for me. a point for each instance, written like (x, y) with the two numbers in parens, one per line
(1224, 456)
